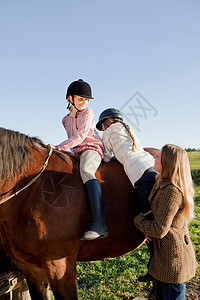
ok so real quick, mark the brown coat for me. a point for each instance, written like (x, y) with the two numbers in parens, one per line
(174, 257)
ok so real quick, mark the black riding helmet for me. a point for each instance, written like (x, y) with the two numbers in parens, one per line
(106, 114)
(79, 88)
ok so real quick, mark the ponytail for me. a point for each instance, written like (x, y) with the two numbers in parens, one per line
(111, 120)
(130, 133)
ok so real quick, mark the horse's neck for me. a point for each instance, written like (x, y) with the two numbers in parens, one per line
(37, 158)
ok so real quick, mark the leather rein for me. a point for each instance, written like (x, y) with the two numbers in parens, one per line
(30, 182)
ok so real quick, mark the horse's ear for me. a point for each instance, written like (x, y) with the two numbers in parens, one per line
(152, 151)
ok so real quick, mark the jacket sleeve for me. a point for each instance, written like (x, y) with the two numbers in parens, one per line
(170, 201)
(84, 127)
(107, 147)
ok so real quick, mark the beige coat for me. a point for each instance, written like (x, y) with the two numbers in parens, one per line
(174, 257)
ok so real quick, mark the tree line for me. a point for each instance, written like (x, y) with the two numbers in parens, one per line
(192, 149)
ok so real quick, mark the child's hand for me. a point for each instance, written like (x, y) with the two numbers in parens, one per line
(55, 147)
(52, 146)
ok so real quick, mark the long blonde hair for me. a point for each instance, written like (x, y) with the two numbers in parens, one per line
(176, 167)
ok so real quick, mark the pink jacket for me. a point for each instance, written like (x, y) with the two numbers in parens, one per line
(81, 133)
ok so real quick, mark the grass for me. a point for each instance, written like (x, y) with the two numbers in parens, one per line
(194, 158)
(116, 278)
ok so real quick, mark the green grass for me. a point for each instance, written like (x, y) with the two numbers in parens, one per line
(116, 278)
(194, 158)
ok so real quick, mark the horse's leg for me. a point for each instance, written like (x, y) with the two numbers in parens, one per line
(37, 283)
(62, 277)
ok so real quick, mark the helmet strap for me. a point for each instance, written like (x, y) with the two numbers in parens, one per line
(69, 105)
(77, 110)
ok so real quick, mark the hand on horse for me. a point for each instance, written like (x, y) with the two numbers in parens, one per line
(54, 147)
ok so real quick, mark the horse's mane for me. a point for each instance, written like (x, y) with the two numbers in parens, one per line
(15, 154)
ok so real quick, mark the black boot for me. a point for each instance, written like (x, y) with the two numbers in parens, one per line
(98, 229)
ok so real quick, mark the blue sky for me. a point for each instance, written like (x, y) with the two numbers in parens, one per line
(140, 56)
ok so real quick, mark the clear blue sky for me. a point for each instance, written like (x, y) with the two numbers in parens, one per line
(148, 47)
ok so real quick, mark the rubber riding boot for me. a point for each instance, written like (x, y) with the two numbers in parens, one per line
(98, 229)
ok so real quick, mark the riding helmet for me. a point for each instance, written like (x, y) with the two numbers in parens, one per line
(108, 113)
(79, 88)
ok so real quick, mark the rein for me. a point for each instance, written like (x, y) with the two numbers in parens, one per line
(31, 182)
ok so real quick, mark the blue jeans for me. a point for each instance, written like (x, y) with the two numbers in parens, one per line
(170, 291)
(144, 186)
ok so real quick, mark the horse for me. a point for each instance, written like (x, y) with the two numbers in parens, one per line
(44, 211)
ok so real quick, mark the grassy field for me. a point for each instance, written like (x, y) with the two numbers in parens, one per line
(116, 278)
(194, 158)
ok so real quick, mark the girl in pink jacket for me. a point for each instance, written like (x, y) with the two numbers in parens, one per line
(84, 140)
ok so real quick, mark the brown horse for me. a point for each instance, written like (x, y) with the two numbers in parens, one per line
(41, 226)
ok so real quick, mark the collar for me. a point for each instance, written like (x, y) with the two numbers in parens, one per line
(164, 183)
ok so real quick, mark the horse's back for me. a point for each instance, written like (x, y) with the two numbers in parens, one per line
(121, 205)
(54, 212)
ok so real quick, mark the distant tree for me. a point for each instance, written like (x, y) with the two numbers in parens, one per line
(192, 149)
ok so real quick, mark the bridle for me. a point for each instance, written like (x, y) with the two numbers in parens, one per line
(30, 182)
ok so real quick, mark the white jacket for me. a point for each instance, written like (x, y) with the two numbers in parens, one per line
(117, 140)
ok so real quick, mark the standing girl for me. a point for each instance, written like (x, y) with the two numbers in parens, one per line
(172, 204)
(85, 141)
